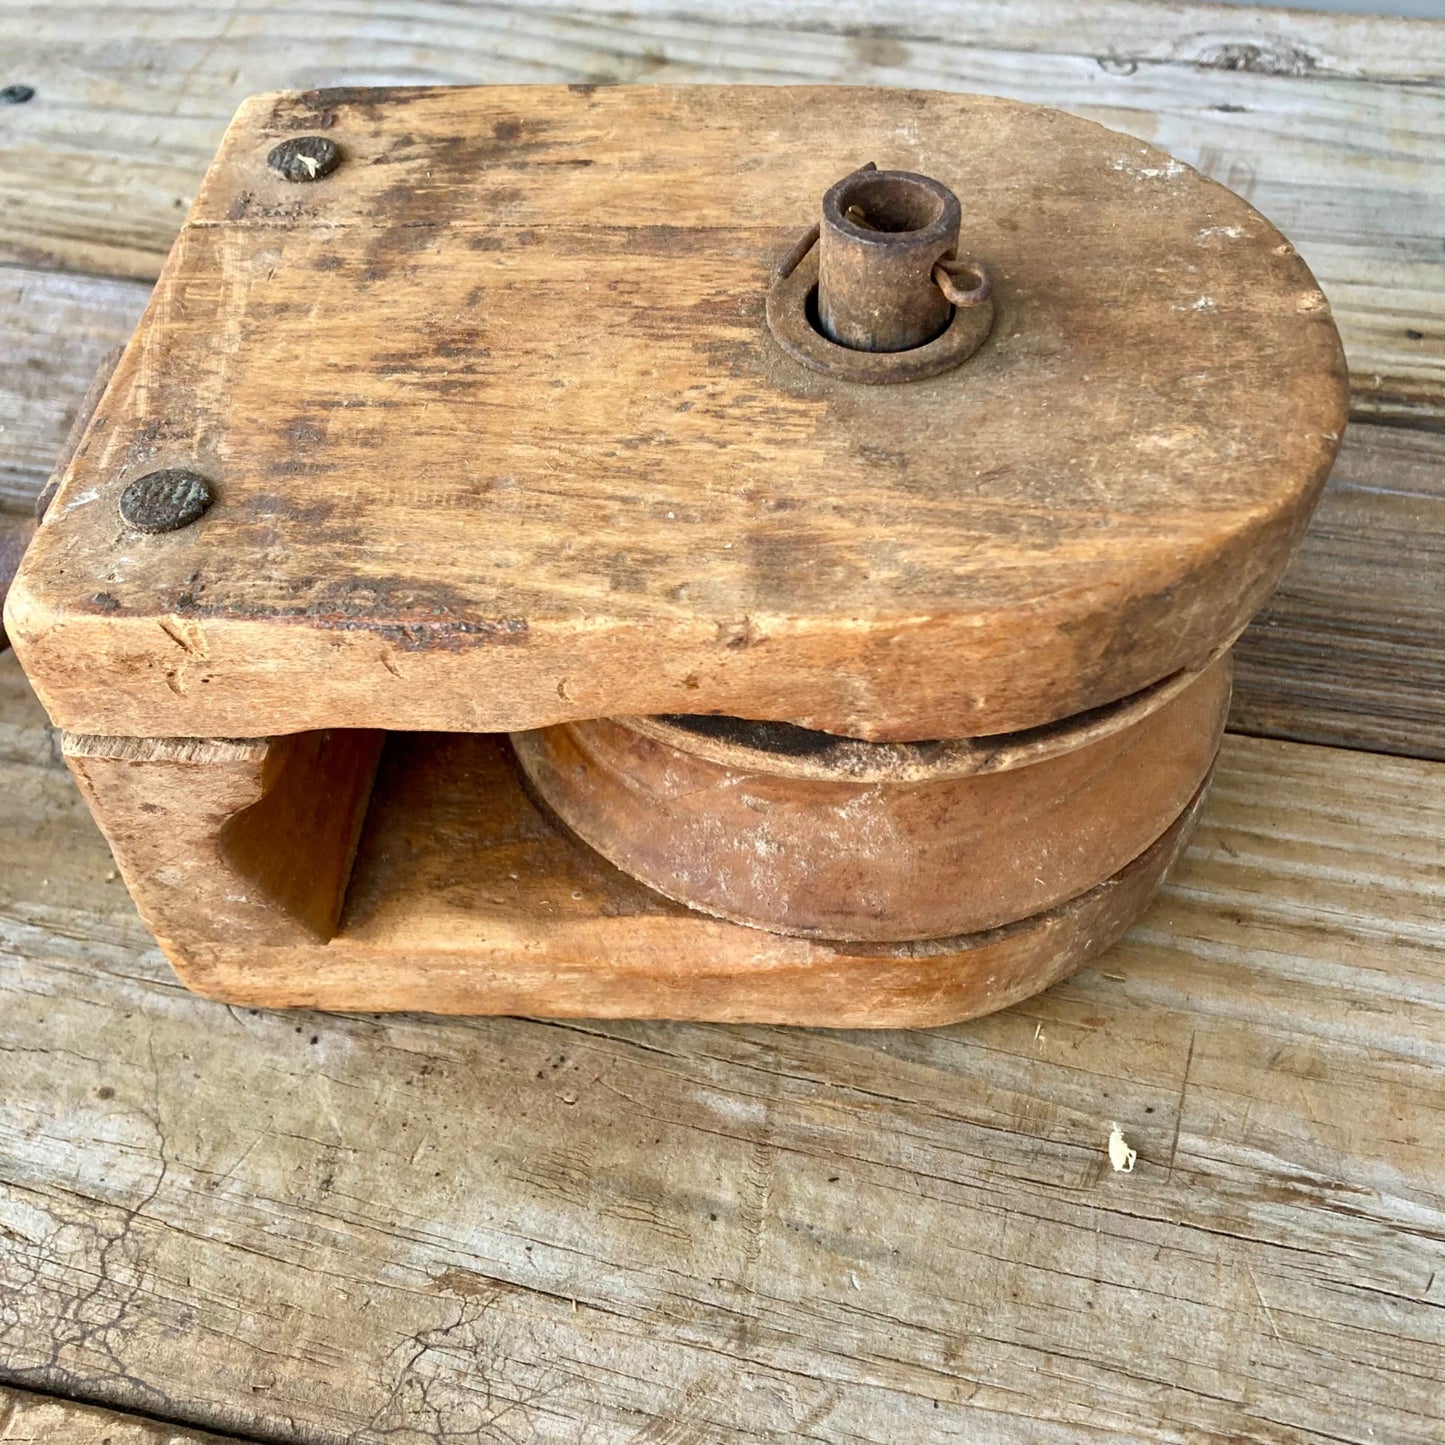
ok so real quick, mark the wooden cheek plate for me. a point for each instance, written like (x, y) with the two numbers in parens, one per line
(500, 443)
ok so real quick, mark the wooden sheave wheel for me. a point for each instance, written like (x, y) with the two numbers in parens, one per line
(798, 833)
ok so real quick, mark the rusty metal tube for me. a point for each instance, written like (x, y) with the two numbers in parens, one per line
(882, 233)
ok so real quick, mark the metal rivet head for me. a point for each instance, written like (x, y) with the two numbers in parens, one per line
(17, 94)
(165, 501)
(304, 158)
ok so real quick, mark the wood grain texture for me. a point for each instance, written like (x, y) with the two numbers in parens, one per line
(30, 1419)
(348, 1229)
(629, 468)
(1351, 649)
(1331, 124)
(56, 331)
(15, 536)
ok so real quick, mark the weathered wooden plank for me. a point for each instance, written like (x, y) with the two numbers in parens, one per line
(16, 535)
(30, 1419)
(1118, 33)
(333, 1229)
(54, 331)
(1351, 649)
(1330, 124)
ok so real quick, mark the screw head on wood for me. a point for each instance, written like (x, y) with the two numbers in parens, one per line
(165, 501)
(304, 157)
(17, 94)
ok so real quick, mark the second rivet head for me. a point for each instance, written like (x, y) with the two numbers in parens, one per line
(304, 158)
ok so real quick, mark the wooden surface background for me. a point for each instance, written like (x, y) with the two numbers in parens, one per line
(317, 1229)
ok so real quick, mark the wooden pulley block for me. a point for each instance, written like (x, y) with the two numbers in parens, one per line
(723, 553)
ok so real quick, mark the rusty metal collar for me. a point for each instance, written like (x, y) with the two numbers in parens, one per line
(875, 293)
